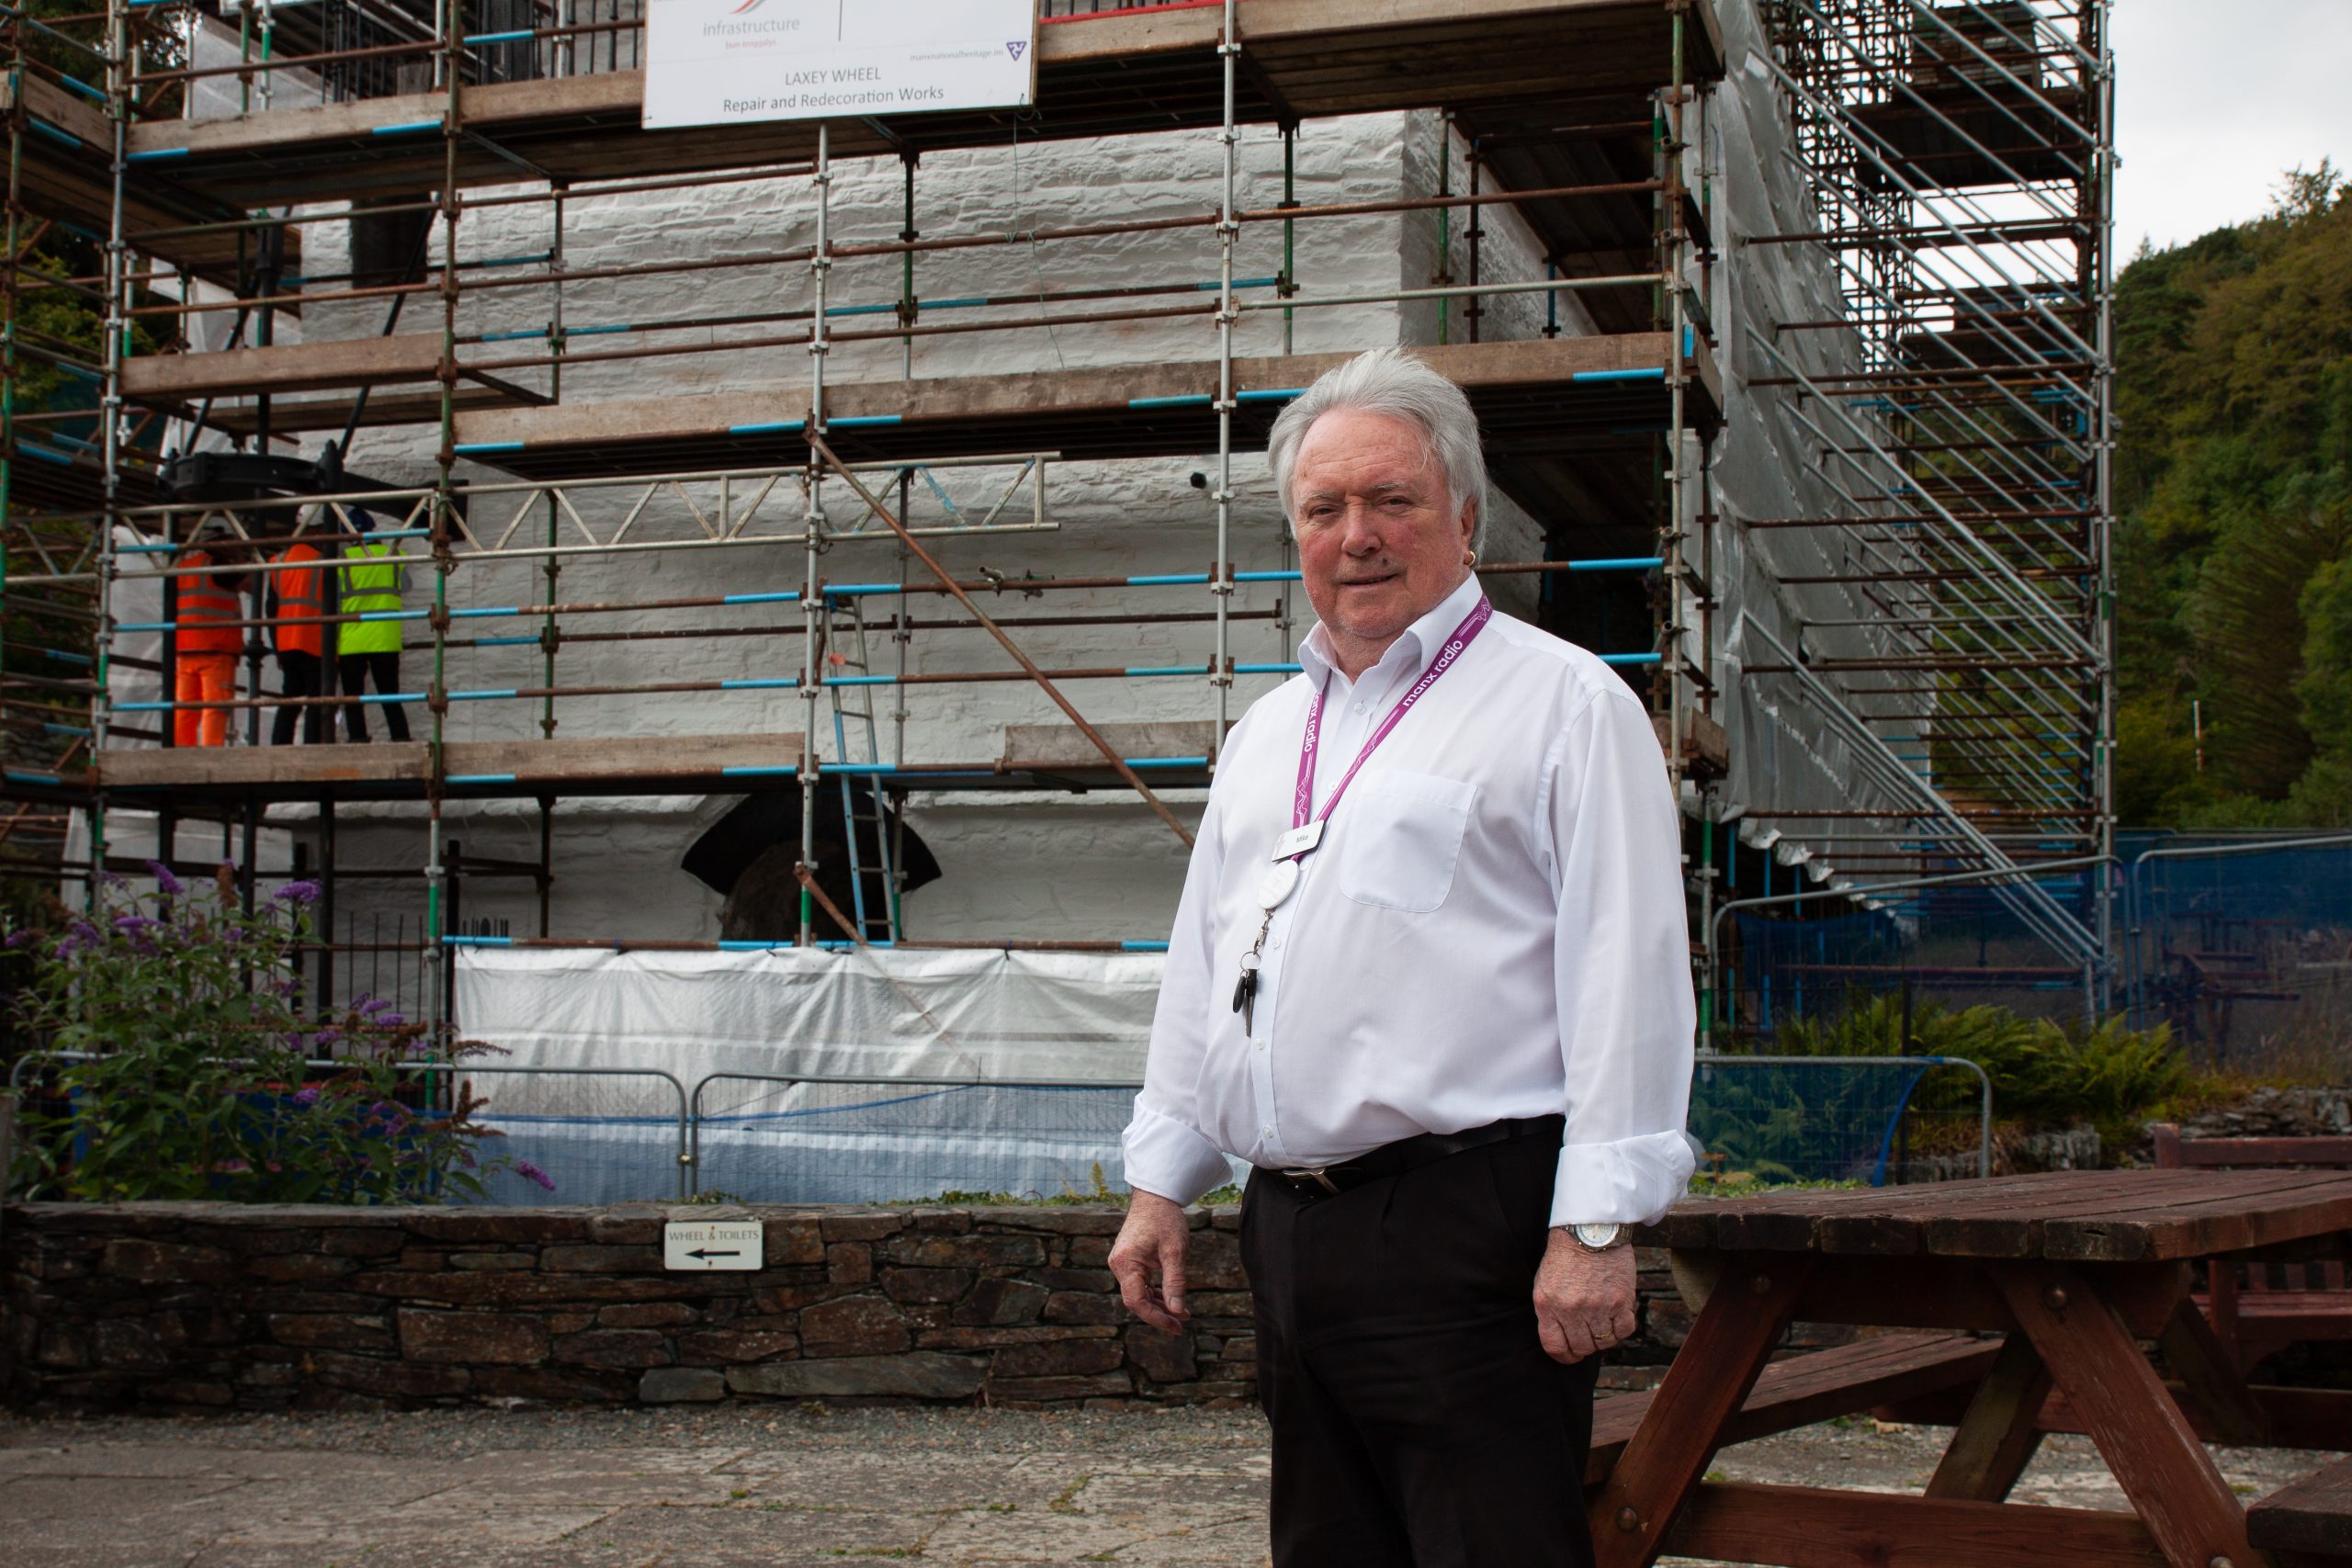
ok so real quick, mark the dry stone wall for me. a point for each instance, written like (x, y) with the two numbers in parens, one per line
(181, 1305)
(217, 1306)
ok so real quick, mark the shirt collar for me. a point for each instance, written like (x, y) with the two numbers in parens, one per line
(1417, 642)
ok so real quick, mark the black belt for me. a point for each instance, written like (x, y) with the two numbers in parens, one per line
(1406, 1154)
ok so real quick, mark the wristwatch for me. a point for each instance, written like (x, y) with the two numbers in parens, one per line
(1599, 1238)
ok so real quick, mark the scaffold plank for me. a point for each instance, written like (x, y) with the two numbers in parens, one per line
(1530, 395)
(705, 764)
(1053, 748)
(285, 368)
(1110, 75)
(71, 178)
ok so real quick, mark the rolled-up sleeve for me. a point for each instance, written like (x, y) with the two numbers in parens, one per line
(1166, 1151)
(1622, 964)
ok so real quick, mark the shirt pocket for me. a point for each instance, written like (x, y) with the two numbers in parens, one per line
(1404, 839)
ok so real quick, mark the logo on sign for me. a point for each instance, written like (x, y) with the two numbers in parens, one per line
(746, 7)
(1013, 48)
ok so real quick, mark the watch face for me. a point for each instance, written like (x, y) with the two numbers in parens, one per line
(1598, 1237)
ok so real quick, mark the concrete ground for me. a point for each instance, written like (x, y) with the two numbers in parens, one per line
(777, 1486)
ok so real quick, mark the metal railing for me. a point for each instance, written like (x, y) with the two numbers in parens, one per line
(931, 1135)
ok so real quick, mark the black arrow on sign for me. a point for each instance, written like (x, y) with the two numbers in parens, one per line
(705, 1252)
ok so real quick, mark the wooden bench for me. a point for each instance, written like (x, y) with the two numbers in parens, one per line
(1801, 1390)
(2308, 1522)
(2259, 1308)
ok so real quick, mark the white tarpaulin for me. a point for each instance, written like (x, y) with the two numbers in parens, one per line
(872, 1012)
(790, 1013)
(725, 61)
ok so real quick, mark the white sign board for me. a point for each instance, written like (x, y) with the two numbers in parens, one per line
(713, 1244)
(727, 62)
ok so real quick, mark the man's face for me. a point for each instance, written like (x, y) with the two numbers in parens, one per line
(1379, 544)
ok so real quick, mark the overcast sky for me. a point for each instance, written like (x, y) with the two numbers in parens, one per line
(2214, 100)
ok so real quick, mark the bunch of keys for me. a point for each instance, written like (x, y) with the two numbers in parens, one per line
(1280, 881)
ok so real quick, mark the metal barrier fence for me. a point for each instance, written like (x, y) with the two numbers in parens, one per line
(770, 1137)
(615, 1135)
(594, 1144)
(2242, 944)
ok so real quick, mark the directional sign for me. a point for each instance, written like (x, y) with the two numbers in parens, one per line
(713, 1244)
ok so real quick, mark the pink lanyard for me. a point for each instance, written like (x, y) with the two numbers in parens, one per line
(1302, 805)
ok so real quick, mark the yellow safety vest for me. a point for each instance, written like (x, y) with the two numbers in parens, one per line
(370, 580)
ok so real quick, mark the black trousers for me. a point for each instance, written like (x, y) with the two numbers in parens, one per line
(299, 676)
(358, 669)
(1417, 1421)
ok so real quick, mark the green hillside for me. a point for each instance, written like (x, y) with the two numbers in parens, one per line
(2233, 495)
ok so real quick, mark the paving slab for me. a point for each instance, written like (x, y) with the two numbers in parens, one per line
(775, 1486)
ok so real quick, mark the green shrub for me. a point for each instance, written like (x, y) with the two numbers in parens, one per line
(2044, 1074)
(195, 1084)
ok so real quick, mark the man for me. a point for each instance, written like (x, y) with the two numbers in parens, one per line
(297, 599)
(1430, 976)
(370, 581)
(206, 639)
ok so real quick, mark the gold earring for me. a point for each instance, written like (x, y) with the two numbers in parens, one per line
(1469, 558)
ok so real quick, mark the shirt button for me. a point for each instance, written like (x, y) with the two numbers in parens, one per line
(1273, 941)
(1267, 1134)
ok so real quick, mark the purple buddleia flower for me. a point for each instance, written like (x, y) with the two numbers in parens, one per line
(23, 938)
(371, 1006)
(388, 1021)
(296, 892)
(530, 1172)
(307, 1096)
(135, 922)
(165, 882)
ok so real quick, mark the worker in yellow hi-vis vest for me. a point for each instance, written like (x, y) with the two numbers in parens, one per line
(371, 578)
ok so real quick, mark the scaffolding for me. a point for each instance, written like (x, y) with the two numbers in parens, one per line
(1959, 158)
(1961, 161)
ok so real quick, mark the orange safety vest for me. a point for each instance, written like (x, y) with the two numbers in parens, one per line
(301, 600)
(203, 603)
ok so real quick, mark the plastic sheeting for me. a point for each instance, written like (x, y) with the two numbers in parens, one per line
(866, 1012)
(788, 1013)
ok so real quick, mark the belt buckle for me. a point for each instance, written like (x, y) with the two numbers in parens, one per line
(1296, 1174)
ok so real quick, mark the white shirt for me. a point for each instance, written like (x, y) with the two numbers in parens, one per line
(1492, 926)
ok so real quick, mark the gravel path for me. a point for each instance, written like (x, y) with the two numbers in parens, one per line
(777, 1486)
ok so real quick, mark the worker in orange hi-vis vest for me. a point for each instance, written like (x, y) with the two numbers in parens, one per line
(298, 597)
(206, 641)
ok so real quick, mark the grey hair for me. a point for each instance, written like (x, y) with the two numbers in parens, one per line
(1390, 381)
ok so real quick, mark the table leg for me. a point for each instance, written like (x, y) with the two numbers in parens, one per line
(1996, 1438)
(2197, 1521)
(2212, 1377)
(1743, 1319)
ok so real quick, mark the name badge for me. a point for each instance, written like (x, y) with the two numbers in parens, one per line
(1300, 841)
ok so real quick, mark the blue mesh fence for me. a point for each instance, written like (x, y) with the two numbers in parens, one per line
(624, 1134)
(1876, 1120)
(592, 1137)
(773, 1141)
(1956, 947)
(2243, 949)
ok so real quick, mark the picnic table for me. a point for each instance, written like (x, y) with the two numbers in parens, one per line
(2075, 1269)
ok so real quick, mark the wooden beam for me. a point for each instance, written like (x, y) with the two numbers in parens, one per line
(302, 366)
(1705, 1387)
(214, 767)
(1814, 1527)
(1997, 1437)
(1063, 748)
(1031, 395)
(2154, 1455)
